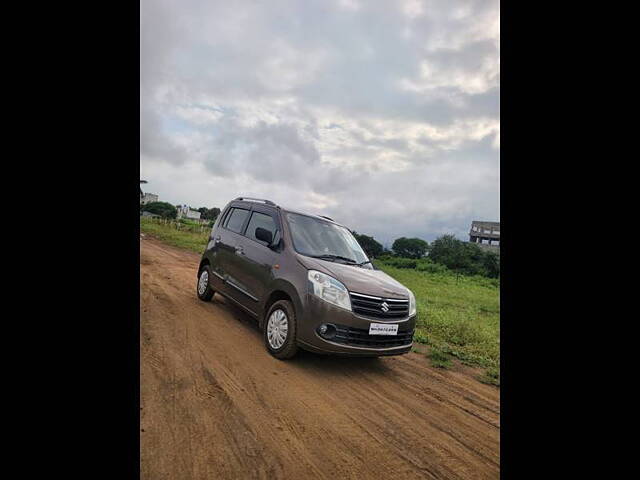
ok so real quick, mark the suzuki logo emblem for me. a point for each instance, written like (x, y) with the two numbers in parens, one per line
(384, 307)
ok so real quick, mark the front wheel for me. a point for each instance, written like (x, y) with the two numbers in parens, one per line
(205, 292)
(280, 330)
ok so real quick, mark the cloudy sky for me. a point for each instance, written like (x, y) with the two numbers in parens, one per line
(384, 115)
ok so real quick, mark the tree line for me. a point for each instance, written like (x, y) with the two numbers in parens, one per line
(166, 210)
(447, 250)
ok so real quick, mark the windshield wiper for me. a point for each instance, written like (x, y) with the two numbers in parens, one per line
(364, 263)
(335, 257)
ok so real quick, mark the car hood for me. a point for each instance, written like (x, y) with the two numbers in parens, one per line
(359, 280)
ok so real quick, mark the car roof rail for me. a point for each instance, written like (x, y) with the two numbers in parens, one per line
(328, 218)
(268, 202)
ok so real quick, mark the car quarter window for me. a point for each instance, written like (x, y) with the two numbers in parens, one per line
(261, 220)
(225, 220)
(235, 219)
(225, 217)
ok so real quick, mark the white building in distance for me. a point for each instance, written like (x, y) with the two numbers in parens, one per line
(186, 212)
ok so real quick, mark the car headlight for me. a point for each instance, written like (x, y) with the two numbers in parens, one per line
(412, 303)
(329, 289)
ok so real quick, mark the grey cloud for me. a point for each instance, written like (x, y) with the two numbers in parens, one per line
(154, 145)
(306, 101)
(259, 151)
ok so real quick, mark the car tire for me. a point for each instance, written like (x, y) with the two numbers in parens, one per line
(272, 330)
(205, 293)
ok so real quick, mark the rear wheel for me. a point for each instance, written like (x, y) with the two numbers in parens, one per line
(280, 330)
(205, 292)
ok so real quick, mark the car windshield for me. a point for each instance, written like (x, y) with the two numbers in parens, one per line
(317, 238)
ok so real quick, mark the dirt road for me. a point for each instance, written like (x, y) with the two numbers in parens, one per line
(216, 405)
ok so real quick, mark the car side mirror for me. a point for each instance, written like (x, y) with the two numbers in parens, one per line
(264, 235)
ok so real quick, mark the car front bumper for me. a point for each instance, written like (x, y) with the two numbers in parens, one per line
(353, 326)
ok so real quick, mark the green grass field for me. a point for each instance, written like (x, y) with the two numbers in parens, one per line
(458, 316)
(178, 238)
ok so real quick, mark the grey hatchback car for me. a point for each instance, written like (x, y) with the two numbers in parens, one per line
(306, 280)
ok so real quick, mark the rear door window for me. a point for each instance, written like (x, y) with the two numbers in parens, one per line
(261, 220)
(235, 220)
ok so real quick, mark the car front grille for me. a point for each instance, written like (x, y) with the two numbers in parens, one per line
(359, 337)
(377, 307)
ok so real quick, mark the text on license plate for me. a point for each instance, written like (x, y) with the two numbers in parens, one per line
(383, 329)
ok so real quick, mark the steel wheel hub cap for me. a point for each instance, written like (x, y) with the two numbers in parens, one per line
(203, 282)
(277, 328)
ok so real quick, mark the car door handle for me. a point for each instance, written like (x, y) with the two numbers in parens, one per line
(239, 251)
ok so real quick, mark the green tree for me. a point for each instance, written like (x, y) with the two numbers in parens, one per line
(163, 209)
(464, 257)
(212, 213)
(209, 213)
(491, 262)
(371, 247)
(449, 251)
(410, 247)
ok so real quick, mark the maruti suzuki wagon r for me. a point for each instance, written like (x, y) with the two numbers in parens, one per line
(306, 280)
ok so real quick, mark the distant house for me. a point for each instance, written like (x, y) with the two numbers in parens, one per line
(185, 212)
(148, 198)
(485, 234)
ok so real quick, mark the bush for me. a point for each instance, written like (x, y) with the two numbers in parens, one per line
(164, 209)
(491, 262)
(464, 257)
(400, 262)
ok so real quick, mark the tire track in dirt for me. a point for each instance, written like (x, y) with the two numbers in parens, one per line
(215, 404)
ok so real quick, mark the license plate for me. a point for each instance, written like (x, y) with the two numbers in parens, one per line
(383, 329)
